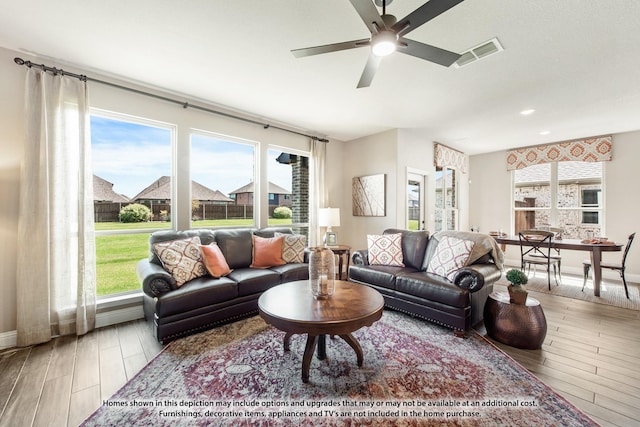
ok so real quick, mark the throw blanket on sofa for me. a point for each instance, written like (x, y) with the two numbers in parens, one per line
(483, 244)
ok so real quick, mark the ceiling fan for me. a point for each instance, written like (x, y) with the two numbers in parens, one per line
(387, 36)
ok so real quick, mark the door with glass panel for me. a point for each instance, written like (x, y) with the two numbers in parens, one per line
(415, 201)
(446, 202)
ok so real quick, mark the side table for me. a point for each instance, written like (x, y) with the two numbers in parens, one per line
(342, 251)
(516, 325)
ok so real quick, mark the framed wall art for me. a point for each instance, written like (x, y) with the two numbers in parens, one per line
(369, 197)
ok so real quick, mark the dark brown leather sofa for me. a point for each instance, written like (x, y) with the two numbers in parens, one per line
(457, 303)
(205, 302)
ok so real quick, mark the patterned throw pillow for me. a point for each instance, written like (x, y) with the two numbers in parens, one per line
(451, 254)
(385, 249)
(181, 258)
(293, 247)
(214, 260)
(267, 252)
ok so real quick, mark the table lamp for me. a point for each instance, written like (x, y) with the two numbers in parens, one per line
(329, 217)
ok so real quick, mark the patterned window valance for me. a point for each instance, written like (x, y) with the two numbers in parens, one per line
(583, 150)
(445, 156)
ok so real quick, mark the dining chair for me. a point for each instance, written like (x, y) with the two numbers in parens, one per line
(535, 249)
(619, 267)
(557, 234)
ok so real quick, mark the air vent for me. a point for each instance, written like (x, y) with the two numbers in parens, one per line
(478, 52)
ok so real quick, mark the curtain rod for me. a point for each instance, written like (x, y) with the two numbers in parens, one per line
(184, 104)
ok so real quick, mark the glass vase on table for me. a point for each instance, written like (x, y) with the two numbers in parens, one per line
(322, 268)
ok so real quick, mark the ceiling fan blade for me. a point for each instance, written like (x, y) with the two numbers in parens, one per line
(428, 52)
(423, 14)
(328, 48)
(369, 14)
(369, 71)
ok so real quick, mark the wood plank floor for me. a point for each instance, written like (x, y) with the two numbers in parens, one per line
(591, 356)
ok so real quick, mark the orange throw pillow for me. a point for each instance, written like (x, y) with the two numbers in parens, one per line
(267, 251)
(214, 260)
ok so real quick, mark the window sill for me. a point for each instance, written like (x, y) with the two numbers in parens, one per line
(111, 310)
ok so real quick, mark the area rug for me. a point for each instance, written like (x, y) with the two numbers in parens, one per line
(611, 291)
(415, 374)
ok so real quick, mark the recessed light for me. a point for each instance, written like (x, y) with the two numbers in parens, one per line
(545, 132)
(527, 112)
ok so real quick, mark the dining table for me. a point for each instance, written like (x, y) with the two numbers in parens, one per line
(594, 247)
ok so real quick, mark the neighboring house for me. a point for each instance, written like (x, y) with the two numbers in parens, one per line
(103, 192)
(160, 192)
(278, 196)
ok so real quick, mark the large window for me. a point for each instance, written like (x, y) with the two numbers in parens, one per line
(132, 194)
(446, 210)
(566, 195)
(223, 181)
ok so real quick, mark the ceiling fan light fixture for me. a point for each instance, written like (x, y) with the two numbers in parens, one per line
(384, 43)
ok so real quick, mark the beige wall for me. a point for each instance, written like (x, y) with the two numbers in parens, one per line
(11, 135)
(371, 155)
(394, 153)
(110, 99)
(490, 201)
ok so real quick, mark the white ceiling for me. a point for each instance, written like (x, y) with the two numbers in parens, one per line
(576, 62)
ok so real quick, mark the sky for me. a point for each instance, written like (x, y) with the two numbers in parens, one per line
(132, 156)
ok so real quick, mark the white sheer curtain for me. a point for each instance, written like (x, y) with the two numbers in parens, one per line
(317, 192)
(56, 292)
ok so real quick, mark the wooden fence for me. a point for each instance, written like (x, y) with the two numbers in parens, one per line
(109, 212)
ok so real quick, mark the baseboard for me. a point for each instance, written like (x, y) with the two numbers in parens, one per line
(8, 339)
(111, 317)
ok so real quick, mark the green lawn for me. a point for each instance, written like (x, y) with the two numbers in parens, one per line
(117, 255)
(116, 258)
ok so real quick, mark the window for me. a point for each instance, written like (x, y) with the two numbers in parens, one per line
(446, 210)
(566, 195)
(132, 170)
(532, 197)
(288, 175)
(223, 177)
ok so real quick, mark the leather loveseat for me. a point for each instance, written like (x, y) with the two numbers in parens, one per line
(204, 302)
(456, 302)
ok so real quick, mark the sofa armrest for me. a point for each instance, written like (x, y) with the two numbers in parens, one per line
(360, 257)
(155, 279)
(473, 277)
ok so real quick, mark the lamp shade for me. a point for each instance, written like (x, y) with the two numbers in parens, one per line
(329, 217)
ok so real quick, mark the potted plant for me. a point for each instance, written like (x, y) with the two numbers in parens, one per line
(517, 290)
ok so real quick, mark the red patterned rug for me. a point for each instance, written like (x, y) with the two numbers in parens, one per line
(414, 374)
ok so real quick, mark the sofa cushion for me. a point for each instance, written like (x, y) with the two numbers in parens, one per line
(483, 245)
(292, 271)
(379, 275)
(450, 255)
(214, 260)
(206, 236)
(432, 287)
(267, 251)
(414, 245)
(385, 249)
(236, 245)
(254, 280)
(200, 292)
(293, 247)
(181, 258)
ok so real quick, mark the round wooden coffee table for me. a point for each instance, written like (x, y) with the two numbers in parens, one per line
(291, 308)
